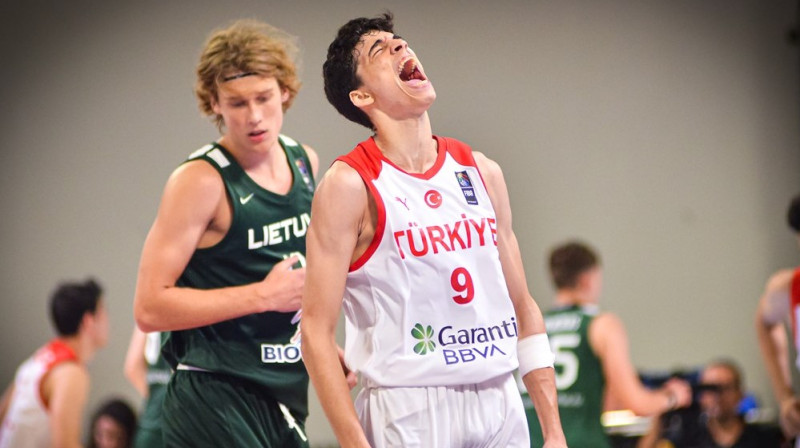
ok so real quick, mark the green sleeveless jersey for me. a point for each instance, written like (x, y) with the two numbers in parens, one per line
(265, 228)
(148, 434)
(579, 380)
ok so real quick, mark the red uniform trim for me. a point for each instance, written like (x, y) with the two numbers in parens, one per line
(51, 355)
(367, 159)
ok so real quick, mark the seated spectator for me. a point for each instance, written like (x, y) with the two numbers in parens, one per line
(113, 425)
(718, 422)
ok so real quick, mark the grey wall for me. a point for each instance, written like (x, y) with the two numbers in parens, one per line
(665, 133)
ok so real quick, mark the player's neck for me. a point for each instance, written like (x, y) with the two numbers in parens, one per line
(255, 157)
(569, 297)
(409, 143)
(81, 345)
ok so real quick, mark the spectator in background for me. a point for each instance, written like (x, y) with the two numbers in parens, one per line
(591, 355)
(113, 425)
(719, 423)
(44, 405)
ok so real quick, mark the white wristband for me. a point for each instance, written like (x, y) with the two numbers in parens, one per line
(534, 353)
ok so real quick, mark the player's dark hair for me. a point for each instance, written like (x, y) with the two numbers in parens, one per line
(70, 301)
(793, 214)
(568, 261)
(339, 69)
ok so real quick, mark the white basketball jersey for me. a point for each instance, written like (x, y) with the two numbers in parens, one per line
(27, 422)
(427, 303)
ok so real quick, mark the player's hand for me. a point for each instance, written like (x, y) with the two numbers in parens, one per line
(790, 416)
(558, 444)
(350, 376)
(282, 289)
(681, 390)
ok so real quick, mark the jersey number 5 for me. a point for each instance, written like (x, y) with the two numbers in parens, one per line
(566, 362)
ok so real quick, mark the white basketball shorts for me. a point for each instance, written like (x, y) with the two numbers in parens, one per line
(489, 414)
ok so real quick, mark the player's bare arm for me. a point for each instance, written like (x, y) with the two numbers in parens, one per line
(540, 383)
(65, 390)
(609, 341)
(194, 212)
(340, 207)
(5, 401)
(135, 363)
(773, 308)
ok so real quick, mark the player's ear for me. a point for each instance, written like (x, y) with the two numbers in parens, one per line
(215, 105)
(361, 99)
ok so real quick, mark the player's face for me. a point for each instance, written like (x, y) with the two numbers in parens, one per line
(392, 76)
(100, 325)
(724, 401)
(252, 110)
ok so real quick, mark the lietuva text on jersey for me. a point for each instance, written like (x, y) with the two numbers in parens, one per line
(278, 232)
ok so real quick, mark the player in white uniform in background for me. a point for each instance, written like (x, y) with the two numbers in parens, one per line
(44, 406)
(779, 304)
(414, 231)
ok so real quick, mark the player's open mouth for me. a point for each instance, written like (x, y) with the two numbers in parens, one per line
(256, 133)
(409, 70)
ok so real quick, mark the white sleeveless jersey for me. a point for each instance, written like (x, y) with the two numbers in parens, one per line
(27, 422)
(427, 303)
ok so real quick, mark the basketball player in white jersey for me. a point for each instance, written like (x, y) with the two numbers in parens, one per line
(411, 234)
(780, 303)
(44, 405)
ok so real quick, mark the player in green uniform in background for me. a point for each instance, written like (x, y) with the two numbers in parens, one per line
(222, 269)
(149, 373)
(591, 355)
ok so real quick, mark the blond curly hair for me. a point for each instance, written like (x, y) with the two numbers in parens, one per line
(246, 46)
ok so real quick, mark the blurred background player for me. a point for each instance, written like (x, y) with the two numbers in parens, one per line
(45, 404)
(780, 303)
(149, 373)
(591, 355)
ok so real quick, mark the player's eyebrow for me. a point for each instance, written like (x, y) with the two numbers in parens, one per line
(374, 44)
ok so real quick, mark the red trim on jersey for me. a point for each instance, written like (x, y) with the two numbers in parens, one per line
(371, 147)
(794, 301)
(51, 355)
(367, 158)
(368, 165)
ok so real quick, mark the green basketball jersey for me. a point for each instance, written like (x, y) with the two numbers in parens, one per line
(579, 380)
(266, 228)
(148, 434)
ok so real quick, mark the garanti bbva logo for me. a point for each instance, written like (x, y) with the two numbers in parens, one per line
(465, 345)
(425, 337)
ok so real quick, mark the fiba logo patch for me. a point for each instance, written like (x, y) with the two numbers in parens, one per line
(433, 198)
(465, 183)
(425, 337)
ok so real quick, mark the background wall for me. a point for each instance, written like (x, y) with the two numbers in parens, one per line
(664, 133)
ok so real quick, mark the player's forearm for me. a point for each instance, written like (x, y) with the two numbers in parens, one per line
(327, 377)
(175, 308)
(541, 386)
(773, 353)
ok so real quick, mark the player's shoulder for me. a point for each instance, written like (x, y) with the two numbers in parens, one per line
(780, 280)
(342, 180)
